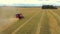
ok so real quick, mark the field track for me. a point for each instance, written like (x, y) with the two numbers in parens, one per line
(36, 21)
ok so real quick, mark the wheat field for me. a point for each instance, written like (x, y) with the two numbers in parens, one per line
(36, 21)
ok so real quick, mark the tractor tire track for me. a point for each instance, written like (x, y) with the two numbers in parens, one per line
(57, 12)
(56, 16)
(16, 25)
(31, 26)
(39, 24)
(54, 28)
(45, 26)
(24, 24)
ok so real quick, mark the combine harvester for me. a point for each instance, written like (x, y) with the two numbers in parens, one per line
(10, 12)
(19, 16)
(8, 16)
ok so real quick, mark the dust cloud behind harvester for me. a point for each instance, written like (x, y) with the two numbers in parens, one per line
(8, 11)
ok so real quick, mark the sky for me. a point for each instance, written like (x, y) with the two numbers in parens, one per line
(29, 2)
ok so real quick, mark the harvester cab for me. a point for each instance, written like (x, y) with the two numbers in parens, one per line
(19, 15)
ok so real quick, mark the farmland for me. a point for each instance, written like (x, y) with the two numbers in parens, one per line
(35, 21)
